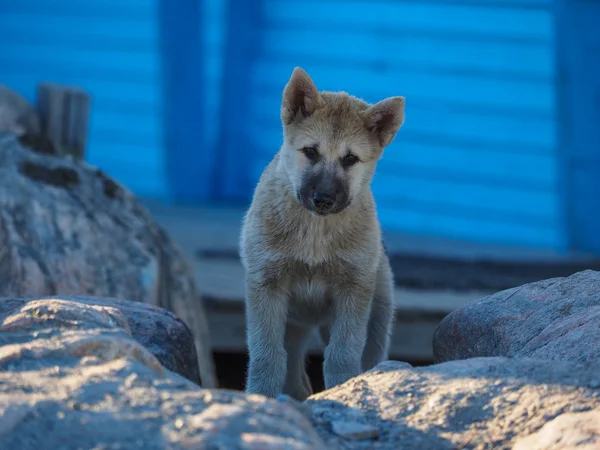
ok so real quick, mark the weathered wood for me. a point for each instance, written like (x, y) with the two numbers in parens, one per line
(417, 312)
(411, 339)
(64, 113)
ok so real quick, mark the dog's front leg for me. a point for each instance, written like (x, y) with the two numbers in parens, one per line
(347, 336)
(266, 311)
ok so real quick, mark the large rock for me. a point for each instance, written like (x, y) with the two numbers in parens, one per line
(157, 329)
(557, 319)
(68, 229)
(71, 377)
(480, 403)
(17, 116)
(566, 432)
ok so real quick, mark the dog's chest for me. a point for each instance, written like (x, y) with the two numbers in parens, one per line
(313, 243)
(310, 297)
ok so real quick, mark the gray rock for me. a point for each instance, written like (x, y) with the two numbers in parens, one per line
(354, 430)
(557, 319)
(157, 329)
(71, 377)
(569, 431)
(480, 403)
(68, 229)
(17, 116)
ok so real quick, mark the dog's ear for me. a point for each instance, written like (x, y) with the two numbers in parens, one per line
(385, 118)
(300, 97)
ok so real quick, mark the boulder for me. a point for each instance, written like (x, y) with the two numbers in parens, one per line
(20, 119)
(71, 377)
(157, 329)
(66, 228)
(479, 403)
(569, 431)
(556, 319)
(17, 116)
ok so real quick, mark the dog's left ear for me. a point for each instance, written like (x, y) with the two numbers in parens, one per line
(300, 97)
(385, 118)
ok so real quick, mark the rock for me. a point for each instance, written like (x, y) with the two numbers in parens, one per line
(557, 319)
(66, 228)
(157, 329)
(480, 403)
(569, 431)
(20, 119)
(17, 116)
(71, 377)
(304, 408)
(354, 430)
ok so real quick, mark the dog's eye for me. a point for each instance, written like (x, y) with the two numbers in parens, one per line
(349, 160)
(311, 153)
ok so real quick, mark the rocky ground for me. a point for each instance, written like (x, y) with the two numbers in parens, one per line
(103, 344)
(79, 373)
(66, 228)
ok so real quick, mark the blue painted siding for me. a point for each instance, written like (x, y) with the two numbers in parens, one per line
(109, 48)
(578, 44)
(477, 156)
(500, 142)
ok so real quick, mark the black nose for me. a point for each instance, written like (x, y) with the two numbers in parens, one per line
(323, 201)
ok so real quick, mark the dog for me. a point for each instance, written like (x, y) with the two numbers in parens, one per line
(311, 243)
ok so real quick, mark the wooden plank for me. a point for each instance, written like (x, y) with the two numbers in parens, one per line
(466, 196)
(142, 130)
(497, 196)
(240, 51)
(579, 115)
(538, 173)
(502, 129)
(64, 115)
(439, 17)
(411, 338)
(449, 160)
(415, 220)
(417, 315)
(189, 172)
(88, 10)
(104, 63)
(374, 84)
(127, 154)
(121, 92)
(370, 48)
(29, 27)
(150, 183)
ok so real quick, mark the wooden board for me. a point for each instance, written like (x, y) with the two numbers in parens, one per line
(417, 312)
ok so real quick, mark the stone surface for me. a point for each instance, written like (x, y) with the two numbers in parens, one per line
(17, 116)
(354, 430)
(579, 431)
(68, 229)
(157, 329)
(71, 377)
(20, 119)
(480, 403)
(557, 319)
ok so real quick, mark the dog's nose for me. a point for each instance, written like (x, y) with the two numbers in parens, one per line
(323, 201)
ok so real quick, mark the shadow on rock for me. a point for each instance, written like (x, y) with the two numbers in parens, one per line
(484, 403)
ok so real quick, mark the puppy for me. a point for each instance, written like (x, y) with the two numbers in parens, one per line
(311, 243)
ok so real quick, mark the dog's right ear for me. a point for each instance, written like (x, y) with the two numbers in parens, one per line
(300, 97)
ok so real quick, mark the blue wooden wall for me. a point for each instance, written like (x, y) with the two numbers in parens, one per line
(110, 48)
(578, 85)
(497, 140)
(477, 156)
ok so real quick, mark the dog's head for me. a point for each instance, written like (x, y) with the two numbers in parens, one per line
(332, 142)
